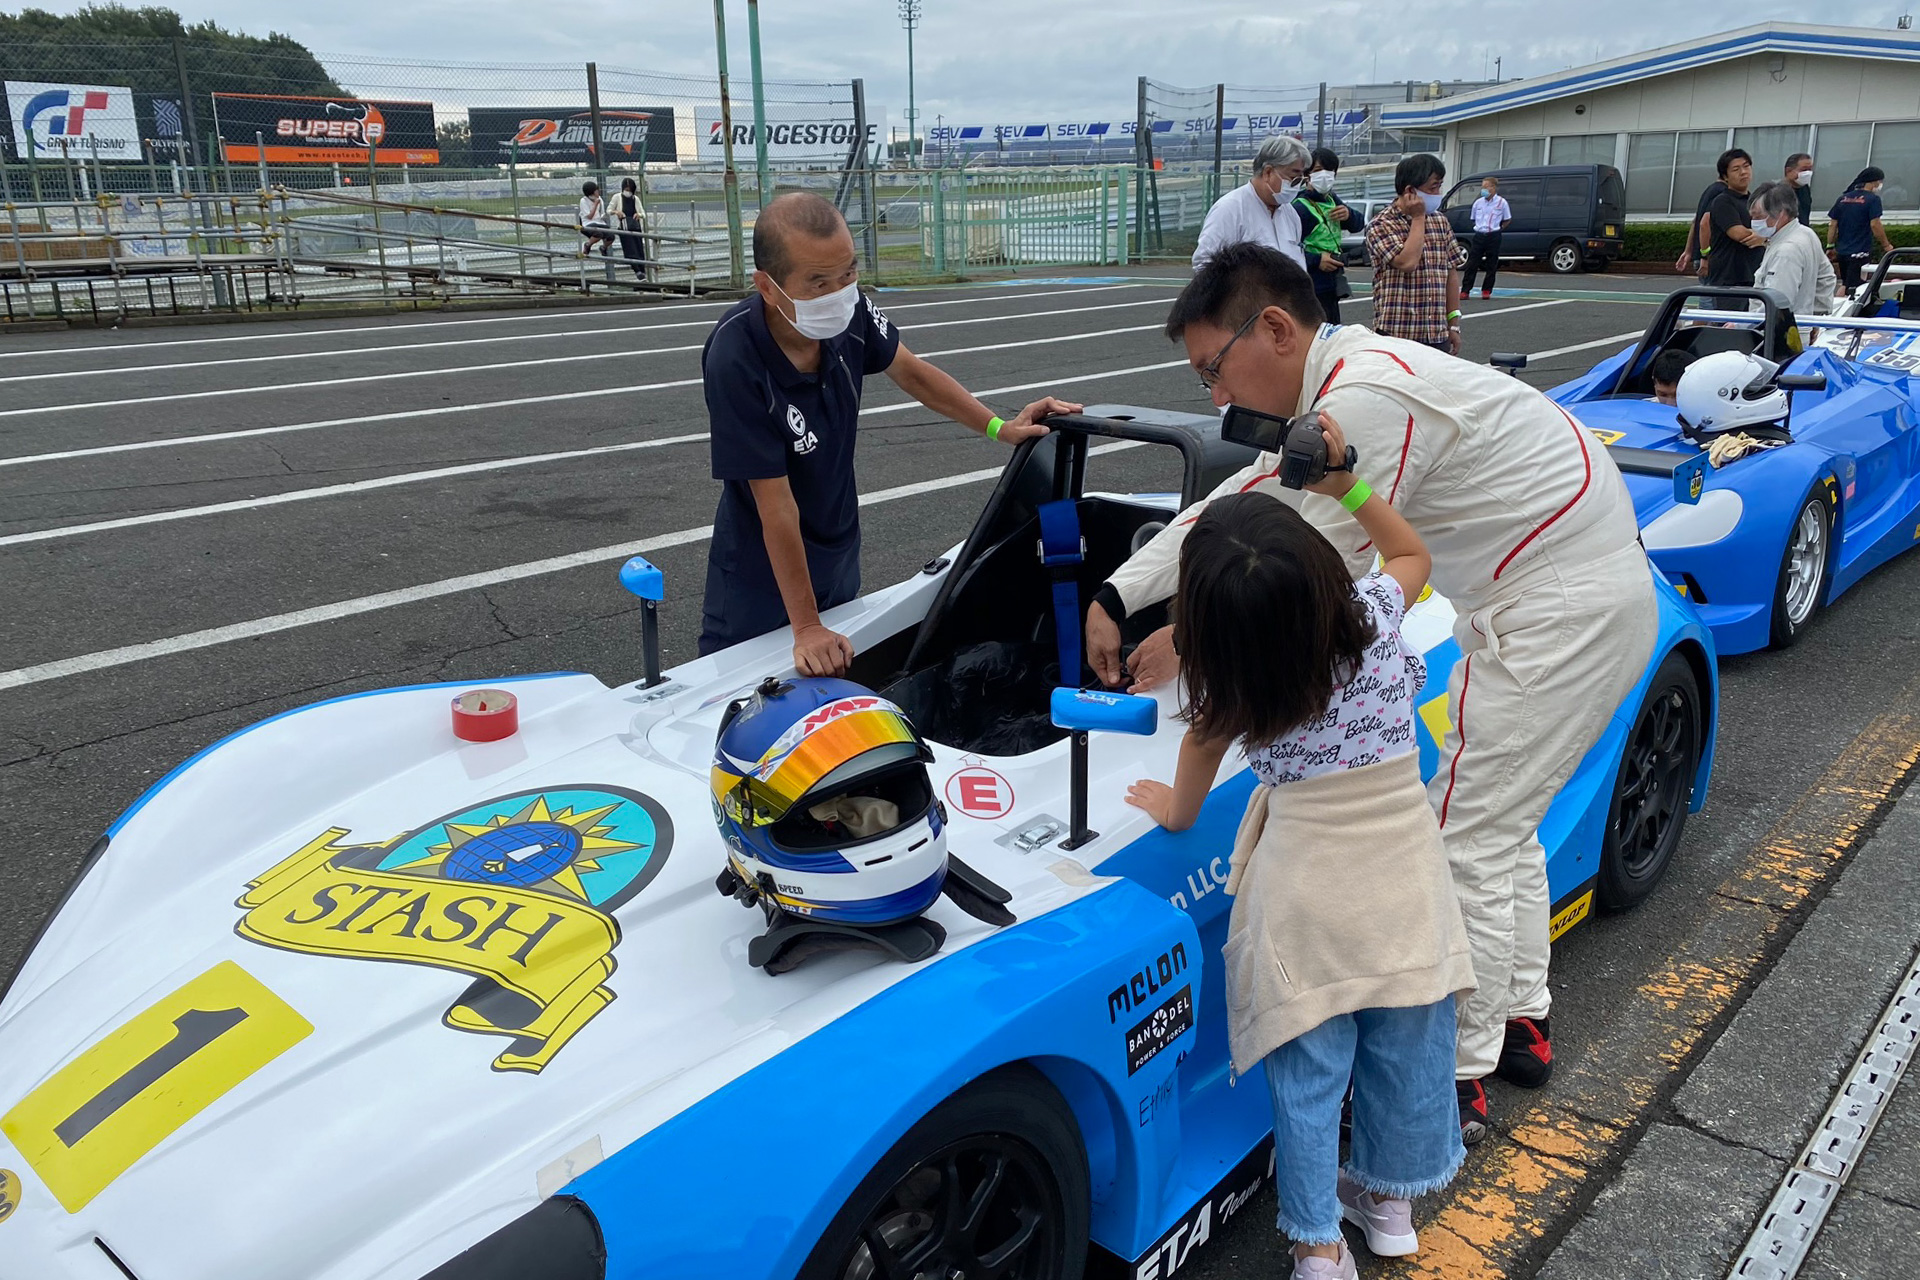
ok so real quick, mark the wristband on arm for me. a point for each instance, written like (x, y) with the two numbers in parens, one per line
(993, 428)
(1357, 496)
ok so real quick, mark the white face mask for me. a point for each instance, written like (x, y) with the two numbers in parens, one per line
(1322, 180)
(823, 317)
(1763, 229)
(1286, 191)
(1804, 178)
(1432, 199)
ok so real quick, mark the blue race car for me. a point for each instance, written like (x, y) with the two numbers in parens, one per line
(1761, 542)
(435, 982)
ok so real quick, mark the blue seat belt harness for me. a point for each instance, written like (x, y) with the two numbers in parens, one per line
(1062, 551)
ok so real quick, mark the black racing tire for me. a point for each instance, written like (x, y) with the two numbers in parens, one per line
(1806, 567)
(1651, 791)
(1563, 258)
(993, 1181)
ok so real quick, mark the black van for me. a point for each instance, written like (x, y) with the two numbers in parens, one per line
(1568, 215)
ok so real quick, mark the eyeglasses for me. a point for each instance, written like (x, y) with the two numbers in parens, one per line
(1210, 371)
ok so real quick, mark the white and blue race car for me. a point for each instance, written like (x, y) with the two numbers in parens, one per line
(351, 996)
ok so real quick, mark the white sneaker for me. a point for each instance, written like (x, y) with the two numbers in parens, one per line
(1387, 1222)
(1312, 1268)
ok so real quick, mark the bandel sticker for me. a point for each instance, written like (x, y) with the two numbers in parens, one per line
(518, 892)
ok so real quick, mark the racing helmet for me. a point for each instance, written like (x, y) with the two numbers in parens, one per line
(821, 792)
(1729, 390)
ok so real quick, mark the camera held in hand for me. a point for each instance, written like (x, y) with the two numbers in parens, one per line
(1300, 442)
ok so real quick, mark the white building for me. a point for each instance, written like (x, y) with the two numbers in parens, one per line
(1848, 95)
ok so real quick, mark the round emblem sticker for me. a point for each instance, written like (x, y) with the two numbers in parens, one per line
(979, 792)
(9, 1193)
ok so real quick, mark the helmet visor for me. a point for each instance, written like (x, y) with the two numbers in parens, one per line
(826, 750)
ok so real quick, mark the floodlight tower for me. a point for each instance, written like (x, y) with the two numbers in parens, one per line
(910, 18)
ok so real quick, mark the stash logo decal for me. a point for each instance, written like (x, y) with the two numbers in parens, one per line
(518, 892)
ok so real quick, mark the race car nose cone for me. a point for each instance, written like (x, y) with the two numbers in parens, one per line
(485, 715)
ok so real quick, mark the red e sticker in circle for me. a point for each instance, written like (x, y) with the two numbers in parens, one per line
(979, 792)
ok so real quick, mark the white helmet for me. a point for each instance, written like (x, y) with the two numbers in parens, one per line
(1729, 390)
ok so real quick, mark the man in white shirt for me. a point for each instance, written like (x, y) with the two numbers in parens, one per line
(1491, 214)
(1261, 211)
(1795, 263)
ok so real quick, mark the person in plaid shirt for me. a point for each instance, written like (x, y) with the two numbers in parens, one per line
(1416, 260)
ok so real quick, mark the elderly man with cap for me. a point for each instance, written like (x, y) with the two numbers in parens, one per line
(783, 372)
(1534, 541)
(1261, 211)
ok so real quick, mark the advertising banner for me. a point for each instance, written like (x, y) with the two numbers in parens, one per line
(564, 135)
(794, 137)
(78, 120)
(323, 130)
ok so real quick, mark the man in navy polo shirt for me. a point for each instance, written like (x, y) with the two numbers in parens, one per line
(783, 372)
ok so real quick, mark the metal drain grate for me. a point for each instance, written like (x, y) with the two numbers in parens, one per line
(1780, 1244)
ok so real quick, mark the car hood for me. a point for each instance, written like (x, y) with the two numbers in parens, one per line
(1639, 424)
(303, 988)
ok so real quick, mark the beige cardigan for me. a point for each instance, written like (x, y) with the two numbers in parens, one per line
(1342, 901)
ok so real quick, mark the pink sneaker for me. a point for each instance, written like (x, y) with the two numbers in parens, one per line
(1312, 1268)
(1388, 1223)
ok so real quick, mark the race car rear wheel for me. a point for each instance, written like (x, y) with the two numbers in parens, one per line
(1804, 568)
(992, 1182)
(1653, 787)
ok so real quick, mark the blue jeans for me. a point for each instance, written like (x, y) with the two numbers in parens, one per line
(1406, 1120)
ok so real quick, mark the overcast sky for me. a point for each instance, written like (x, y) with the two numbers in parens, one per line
(1002, 61)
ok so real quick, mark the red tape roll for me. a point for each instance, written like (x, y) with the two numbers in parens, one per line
(485, 715)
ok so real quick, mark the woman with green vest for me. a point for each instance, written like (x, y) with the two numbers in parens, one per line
(1322, 218)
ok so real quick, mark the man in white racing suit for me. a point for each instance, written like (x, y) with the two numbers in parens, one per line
(1534, 541)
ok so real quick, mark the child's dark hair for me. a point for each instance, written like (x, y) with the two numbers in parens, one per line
(1669, 365)
(1266, 621)
(589, 188)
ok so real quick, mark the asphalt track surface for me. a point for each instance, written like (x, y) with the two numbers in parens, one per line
(201, 527)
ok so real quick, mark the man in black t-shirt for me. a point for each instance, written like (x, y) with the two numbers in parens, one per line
(1734, 249)
(783, 372)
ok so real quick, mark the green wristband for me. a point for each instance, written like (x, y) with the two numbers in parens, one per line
(1356, 496)
(993, 428)
(1453, 315)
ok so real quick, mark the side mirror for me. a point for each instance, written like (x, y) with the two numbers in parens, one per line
(1081, 712)
(1512, 361)
(1801, 382)
(639, 576)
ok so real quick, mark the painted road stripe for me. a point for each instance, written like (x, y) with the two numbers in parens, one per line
(405, 414)
(346, 488)
(405, 326)
(445, 587)
(1477, 315)
(490, 367)
(496, 340)
(1586, 346)
(1559, 1152)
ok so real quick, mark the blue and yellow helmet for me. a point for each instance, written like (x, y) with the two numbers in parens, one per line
(821, 792)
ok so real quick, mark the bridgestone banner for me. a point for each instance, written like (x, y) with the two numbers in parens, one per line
(791, 139)
(324, 130)
(564, 135)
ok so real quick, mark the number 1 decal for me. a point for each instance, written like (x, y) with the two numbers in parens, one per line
(98, 1115)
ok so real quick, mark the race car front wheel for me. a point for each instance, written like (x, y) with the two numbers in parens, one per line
(1653, 787)
(1804, 568)
(992, 1182)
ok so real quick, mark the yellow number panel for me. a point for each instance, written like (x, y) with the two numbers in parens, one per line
(121, 1098)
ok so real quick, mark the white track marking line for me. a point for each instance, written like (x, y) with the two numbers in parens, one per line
(1503, 311)
(495, 341)
(1585, 346)
(570, 314)
(339, 490)
(257, 627)
(244, 433)
(493, 367)
(437, 473)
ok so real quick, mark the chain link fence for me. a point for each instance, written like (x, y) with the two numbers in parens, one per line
(187, 173)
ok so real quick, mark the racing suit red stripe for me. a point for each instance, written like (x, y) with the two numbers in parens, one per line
(1453, 769)
(1587, 459)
